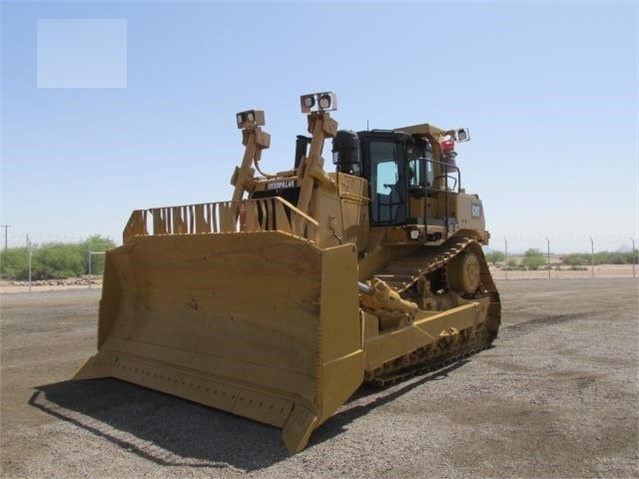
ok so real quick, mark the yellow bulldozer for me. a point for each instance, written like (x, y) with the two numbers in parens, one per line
(279, 304)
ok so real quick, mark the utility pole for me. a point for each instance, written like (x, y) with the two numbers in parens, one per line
(6, 227)
(548, 241)
(592, 256)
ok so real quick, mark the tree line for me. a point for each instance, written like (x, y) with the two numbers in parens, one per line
(67, 260)
(55, 260)
(534, 259)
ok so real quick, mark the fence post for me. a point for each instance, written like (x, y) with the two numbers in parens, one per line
(506, 255)
(634, 273)
(29, 255)
(548, 241)
(592, 256)
(91, 253)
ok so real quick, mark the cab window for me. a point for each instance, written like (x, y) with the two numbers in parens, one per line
(388, 188)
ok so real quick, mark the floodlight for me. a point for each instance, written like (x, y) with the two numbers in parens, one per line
(462, 134)
(325, 101)
(250, 119)
(321, 101)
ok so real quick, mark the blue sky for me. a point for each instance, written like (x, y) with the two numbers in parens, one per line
(548, 90)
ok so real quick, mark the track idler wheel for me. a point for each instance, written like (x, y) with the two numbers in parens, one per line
(463, 273)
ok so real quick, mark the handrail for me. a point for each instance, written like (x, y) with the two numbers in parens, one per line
(254, 215)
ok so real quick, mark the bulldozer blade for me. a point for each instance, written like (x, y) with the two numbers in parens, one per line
(248, 323)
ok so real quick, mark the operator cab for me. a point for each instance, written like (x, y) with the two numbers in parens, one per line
(407, 182)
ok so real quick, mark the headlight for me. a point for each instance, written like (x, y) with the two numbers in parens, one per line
(309, 101)
(462, 134)
(323, 101)
(249, 119)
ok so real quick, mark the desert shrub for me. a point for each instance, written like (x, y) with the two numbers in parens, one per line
(95, 243)
(54, 260)
(57, 261)
(513, 265)
(601, 257)
(576, 259)
(533, 259)
(495, 257)
(14, 263)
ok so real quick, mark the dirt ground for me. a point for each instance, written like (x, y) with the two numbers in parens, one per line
(556, 397)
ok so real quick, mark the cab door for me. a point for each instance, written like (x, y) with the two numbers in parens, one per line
(386, 170)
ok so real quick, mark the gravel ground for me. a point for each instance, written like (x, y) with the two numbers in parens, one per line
(556, 397)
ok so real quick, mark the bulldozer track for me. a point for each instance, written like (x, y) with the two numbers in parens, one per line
(449, 357)
(403, 273)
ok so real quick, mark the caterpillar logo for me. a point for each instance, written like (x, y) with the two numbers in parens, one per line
(278, 185)
(475, 210)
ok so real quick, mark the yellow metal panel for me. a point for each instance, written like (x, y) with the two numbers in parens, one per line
(371, 325)
(298, 428)
(424, 129)
(263, 325)
(420, 333)
(189, 384)
(341, 333)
